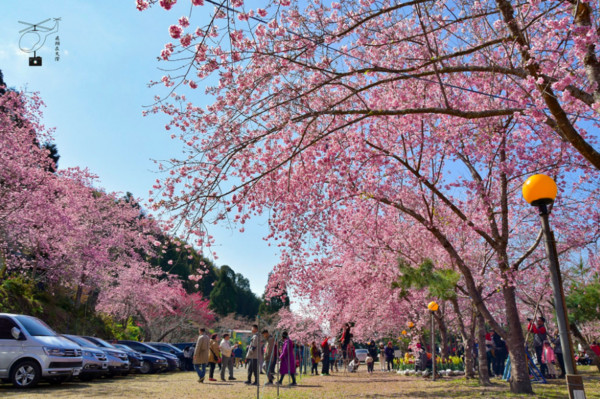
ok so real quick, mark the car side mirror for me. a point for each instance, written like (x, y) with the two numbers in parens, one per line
(16, 333)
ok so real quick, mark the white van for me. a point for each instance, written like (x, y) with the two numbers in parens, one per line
(30, 350)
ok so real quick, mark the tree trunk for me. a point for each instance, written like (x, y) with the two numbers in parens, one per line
(519, 381)
(469, 361)
(484, 372)
(443, 334)
(468, 341)
(3, 265)
(78, 296)
(586, 346)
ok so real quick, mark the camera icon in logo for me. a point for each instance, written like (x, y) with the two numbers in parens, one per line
(34, 36)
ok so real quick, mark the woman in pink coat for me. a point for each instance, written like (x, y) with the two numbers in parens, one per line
(287, 359)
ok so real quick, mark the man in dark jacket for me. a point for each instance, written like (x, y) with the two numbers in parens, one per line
(500, 354)
(325, 350)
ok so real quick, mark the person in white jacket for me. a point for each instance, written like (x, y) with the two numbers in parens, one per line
(226, 358)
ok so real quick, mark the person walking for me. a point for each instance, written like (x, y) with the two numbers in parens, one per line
(372, 349)
(226, 357)
(334, 358)
(490, 352)
(270, 355)
(188, 354)
(325, 353)
(389, 356)
(382, 357)
(559, 355)
(346, 336)
(315, 358)
(201, 354)
(287, 360)
(214, 356)
(239, 354)
(420, 358)
(549, 359)
(252, 355)
(500, 354)
(540, 335)
(369, 360)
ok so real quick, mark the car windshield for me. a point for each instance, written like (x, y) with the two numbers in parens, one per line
(81, 341)
(103, 343)
(35, 327)
(123, 347)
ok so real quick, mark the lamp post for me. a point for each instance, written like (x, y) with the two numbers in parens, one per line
(540, 191)
(433, 307)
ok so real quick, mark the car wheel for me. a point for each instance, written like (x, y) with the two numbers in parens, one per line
(145, 367)
(25, 374)
(86, 377)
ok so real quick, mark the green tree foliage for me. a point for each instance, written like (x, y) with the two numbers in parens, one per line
(247, 302)
(223, 296)
(441, 283)
(231, 294)
(583, 301)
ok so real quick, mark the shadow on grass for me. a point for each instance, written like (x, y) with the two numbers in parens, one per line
(45, 389)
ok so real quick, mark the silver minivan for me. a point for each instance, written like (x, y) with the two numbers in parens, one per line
(30, 350)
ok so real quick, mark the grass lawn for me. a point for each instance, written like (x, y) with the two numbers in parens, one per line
(181, 385)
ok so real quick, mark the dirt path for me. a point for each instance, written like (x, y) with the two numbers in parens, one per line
(181, 385)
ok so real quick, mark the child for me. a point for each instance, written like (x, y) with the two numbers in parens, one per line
(353, 366)
(369, 360)
(549, 359)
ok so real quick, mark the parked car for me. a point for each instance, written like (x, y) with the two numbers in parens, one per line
(183, 345)
(173, 350)
(30, 351)
(95, 361)
(362, 354)
(141, 347)
(118, 361)
(148, 363)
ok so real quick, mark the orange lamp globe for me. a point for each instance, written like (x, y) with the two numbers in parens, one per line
(433, 306)
(539, 190)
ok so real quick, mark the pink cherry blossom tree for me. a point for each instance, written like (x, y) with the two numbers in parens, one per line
(415, 118)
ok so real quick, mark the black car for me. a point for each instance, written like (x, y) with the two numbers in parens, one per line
(183, 345)
(145, 348)
(148, 363)
(135, 358)
(173, 350)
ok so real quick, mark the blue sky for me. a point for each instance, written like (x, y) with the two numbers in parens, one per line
(95, 96)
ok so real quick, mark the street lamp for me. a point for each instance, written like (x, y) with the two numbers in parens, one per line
(540, 191)
(433, 307)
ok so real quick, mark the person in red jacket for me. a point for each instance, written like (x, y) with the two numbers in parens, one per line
(540, 335)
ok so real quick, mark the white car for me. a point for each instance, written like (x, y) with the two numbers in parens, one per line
(30, 350)
(362, 354)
